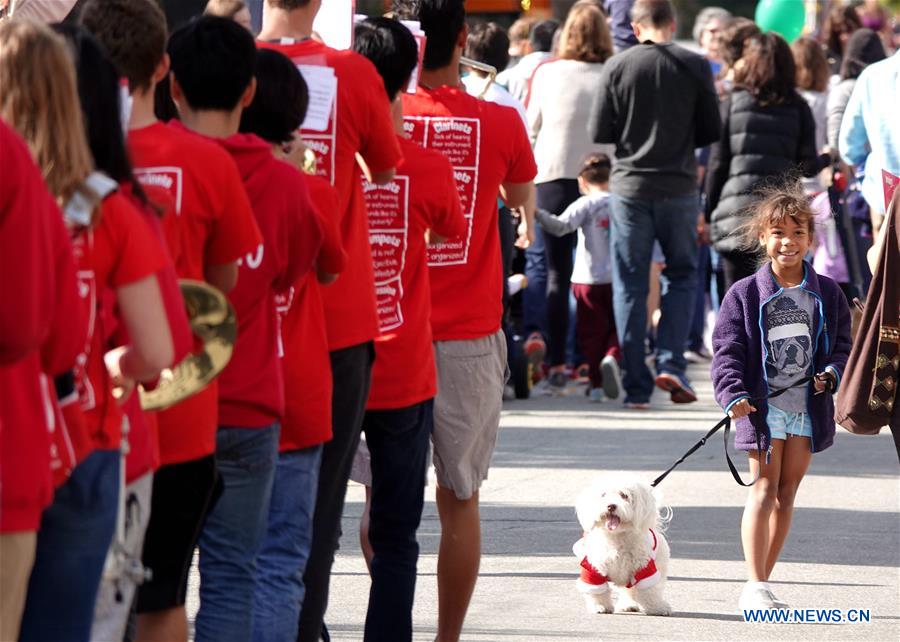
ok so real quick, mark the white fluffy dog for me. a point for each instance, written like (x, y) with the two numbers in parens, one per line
(623, 545)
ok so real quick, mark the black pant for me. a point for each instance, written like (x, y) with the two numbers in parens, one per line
(351, 369)
(736, 265)
(507, 224)
(554, 197)
(398, 443)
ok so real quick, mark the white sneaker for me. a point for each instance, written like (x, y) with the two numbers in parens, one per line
(595, 395)
(779, 604)
(756, 595)
(612, 376)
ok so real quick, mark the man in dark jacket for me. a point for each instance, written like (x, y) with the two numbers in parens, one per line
(658, 105)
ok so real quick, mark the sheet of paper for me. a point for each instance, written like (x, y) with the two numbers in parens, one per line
(419, 35)
(322, 84)
(334, 23)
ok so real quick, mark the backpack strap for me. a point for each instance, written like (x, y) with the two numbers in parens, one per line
(80, 207)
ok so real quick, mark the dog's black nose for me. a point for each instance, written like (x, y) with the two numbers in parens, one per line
(611, 508)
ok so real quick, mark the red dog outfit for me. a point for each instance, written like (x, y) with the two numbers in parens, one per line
(597, 582)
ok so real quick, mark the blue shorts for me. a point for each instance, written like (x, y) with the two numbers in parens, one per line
(783, 423)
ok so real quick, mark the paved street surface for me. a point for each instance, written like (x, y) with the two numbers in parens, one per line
(843, 551)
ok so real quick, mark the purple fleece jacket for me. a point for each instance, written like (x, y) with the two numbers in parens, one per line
(739, 353)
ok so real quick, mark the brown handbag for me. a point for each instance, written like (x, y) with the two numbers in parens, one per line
(868, 395)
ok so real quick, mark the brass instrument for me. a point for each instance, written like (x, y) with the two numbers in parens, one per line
(213, 320)
(309, 162)
(490, 70)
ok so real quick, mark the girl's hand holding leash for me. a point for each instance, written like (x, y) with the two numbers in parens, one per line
(741, 409)
(824, 382)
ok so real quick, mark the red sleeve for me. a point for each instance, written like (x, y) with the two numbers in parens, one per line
(27, 288)
(521, 167)
(139, 252)
(447, 218)
(167, 278)
(234, 232)
(68, 324)
(302, 234)
(378, 143)
(332, 257)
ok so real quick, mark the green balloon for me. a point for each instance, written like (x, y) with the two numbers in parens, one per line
(784, 17)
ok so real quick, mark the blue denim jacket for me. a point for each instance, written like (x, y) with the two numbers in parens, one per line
(739, 353)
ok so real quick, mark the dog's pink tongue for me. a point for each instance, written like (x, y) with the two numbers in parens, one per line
(612, 523)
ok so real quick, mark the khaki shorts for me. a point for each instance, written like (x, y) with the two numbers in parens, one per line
(361, 470)
(121, 575)
(16, 559)
(470, 376)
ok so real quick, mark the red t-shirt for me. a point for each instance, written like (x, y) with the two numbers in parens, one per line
(213, 224)
(306, 363)
(143, 438)
(422, 196)
(360, 122)
(118, 250)
(487, 145)
(251, 388)
(39, 295)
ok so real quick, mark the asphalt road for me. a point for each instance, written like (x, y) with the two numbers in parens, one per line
(843, 551)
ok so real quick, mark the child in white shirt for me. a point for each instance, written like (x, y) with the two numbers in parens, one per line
(592, 275)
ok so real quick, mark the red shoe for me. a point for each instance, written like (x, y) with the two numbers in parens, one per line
(535, 349)
(678, 387)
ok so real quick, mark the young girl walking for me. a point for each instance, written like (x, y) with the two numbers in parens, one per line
(784, 327)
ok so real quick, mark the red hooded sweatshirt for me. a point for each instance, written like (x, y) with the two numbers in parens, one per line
(251, 388)
(42, 327)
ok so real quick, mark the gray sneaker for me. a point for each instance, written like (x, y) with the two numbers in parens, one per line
(558, 380)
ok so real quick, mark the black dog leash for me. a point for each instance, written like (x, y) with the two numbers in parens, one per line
(726, 422)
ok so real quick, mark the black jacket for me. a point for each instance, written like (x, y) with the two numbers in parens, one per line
(658, 103)
(758, 145)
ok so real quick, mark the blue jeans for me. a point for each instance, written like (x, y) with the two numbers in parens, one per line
(634, 224)
(534, 298)
(351, 369)
(698, 321)
(75, 534)
(234, 531)
(282, 559)
(398, 444)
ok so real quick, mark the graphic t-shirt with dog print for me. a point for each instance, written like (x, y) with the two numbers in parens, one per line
(789, 348)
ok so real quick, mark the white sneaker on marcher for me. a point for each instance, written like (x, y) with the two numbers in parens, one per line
(756, 595)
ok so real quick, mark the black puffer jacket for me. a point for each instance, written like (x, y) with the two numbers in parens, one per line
(758, 144)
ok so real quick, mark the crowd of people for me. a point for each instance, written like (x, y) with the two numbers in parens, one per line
(362, 230)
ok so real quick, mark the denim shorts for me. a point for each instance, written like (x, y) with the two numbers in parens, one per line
(783, 423)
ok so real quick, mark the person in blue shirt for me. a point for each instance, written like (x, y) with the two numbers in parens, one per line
(869, 132)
